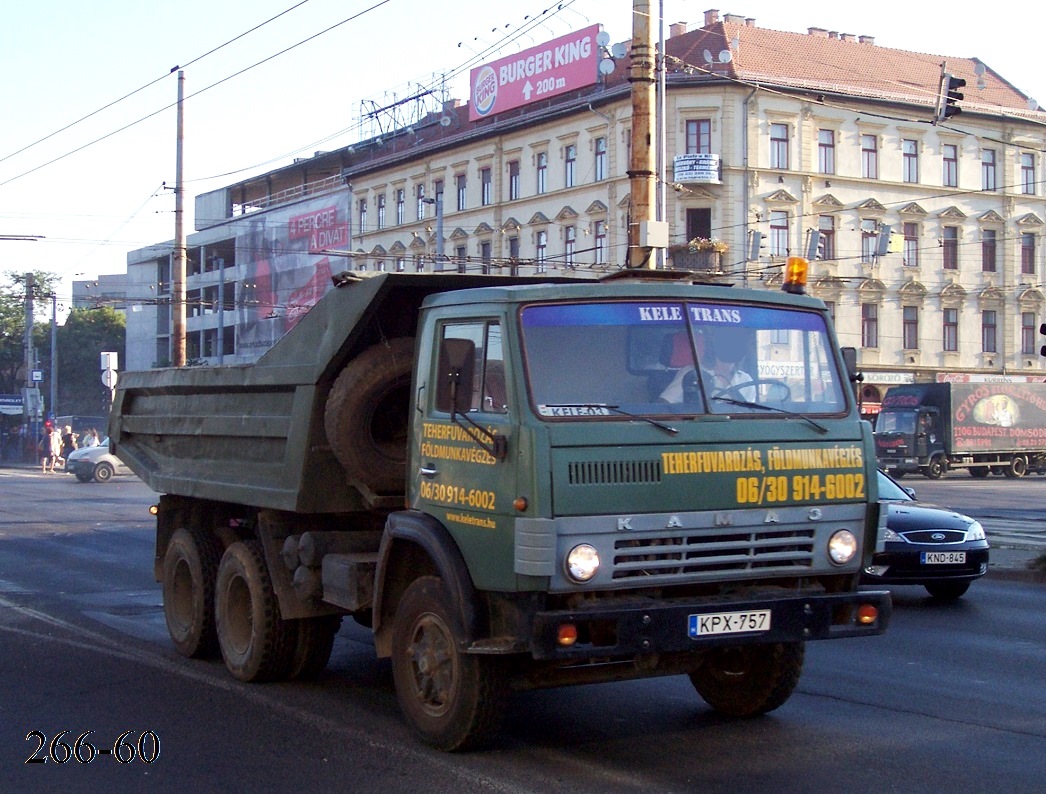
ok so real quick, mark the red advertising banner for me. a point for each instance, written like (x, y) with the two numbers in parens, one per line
(555, 67)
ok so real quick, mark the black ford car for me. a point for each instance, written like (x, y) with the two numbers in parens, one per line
(941, 550)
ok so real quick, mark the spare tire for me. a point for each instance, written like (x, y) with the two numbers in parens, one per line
(367, 415)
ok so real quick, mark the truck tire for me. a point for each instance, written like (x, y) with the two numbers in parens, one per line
(313, 642)
(936, 468)
(749, 680)
(367, 412)
(979, 472)
(1017, 467)
(947, 591)
(454, 700)
(254, 639)
(190, 569)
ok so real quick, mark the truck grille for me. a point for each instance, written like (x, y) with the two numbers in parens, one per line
(735, 550)
(614, 472)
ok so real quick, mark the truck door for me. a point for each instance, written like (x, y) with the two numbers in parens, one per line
(466, 474)
(927, 434)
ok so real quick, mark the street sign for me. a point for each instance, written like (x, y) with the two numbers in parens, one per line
(109, 378)
(38, 376)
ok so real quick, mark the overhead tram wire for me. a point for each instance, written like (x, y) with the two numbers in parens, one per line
(196, 93)
(197, 59)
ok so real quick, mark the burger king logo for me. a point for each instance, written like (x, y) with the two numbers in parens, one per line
(485, 91)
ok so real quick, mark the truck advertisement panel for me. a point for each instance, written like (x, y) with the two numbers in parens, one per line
(285, 267)
(998, 416)
(555, 67)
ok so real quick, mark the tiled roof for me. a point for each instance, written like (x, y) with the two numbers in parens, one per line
(820, 61)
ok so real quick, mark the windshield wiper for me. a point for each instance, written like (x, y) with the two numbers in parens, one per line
(746, 404)
(660, 425)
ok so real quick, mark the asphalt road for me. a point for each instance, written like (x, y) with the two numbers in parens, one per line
(950, 698)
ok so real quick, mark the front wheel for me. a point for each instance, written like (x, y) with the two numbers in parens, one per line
(454, 700)
(104, 472)
(936, 468)
(749, 680)
(947, 591)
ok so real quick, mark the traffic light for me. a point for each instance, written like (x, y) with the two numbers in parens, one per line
(950, 96)
(755, 246)
(815, 249)
(1042, 330)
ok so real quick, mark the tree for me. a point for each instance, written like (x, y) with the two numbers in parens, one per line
(86, 334)
(12, 324)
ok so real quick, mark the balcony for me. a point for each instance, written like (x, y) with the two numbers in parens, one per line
(684, 258)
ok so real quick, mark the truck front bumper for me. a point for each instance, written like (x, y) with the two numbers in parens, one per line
(670, 626)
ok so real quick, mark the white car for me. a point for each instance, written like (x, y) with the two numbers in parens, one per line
(95, 463)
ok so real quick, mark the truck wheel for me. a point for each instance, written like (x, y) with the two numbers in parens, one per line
(936, 468)
(947, 591)
(253, 637)
(1018, 467)
(367, 413)
(748, 680)
(454, 700)
(979, 472)
(897, 474)
(190, 568)
(314, 640)
(103, 472)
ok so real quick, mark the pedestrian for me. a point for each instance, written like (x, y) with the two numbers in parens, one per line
(51, 449)
(68, 444)
(90, 438)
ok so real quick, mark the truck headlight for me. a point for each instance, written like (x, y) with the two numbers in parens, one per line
(842, 547)
(582, 562)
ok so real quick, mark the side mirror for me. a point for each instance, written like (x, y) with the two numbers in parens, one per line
(454, 381)
(850, 361)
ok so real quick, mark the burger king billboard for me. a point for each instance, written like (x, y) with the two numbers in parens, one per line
(555, 67)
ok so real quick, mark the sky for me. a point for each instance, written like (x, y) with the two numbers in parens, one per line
(88, 91)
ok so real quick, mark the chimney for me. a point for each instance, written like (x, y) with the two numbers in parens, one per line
(750, 22)
(711, 17)
(833, 34)
(734, 19)
(451, 104)
(676, 29)
(848, 37)
(867, 39)
(819, 32)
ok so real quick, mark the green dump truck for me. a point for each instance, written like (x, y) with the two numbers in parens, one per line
(517, 483)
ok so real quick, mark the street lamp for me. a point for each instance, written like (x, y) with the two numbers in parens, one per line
(438, 201)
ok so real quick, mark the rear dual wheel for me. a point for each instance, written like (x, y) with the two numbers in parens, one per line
(190, 568)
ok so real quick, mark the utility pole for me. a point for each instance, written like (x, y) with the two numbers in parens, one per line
(178, 265)
(645, 233)
(54, 355)
(30, 287)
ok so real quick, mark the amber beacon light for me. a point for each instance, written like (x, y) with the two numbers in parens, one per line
(795, 275)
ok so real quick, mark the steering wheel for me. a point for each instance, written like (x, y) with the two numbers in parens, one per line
(776, 391)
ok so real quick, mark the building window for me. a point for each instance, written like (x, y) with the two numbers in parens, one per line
(1028, 333)
(570, 165)
(826, 151)
(363, 215)
(988, 237)
(1028, 253)
(401, 200)
(950, 333)
(541, 249)
(461, 188)
(1028, 174)
(988, 170)
(911, 244)
(826, 226)
(869, 325)
(699, 136)
(513, 248)
(910, 152)
(600, 235)
(484, 254)
(419, 193)
(437, 189)
(869, 240)
(910, 327)
(542, 183)
(381, 211)
(950, 247)
(569, 245)
(601, 159)
(778, 233)
(950, 177)
(486, 182)
(869, 157)
(988, 331)
(513, 180)
(401, 264)
(779, 146)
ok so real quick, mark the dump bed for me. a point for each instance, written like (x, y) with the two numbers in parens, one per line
(254, 434)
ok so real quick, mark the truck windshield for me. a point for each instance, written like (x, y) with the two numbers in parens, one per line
(598, 360)
(895, 422)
